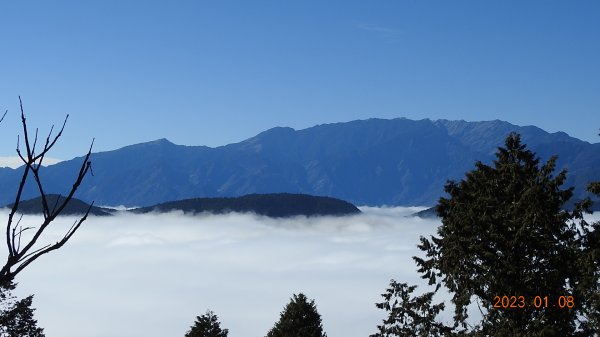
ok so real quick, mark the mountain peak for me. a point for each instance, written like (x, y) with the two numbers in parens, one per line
(272, 134)
(278, 130)
(158, 142)
(162, 141)
(153, 144)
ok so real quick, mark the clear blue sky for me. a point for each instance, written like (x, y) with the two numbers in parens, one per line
(216, 72)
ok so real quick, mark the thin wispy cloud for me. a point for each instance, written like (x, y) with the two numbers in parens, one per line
(380, 29)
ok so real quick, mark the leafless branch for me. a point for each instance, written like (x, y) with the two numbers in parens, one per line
(14, 230)
(34, 252)
(19, 258)
(48, 248)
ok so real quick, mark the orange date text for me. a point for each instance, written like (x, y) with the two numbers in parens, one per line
(537, 302)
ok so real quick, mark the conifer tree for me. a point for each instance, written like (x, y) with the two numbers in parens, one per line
(505, 233)
(207, 325)
(16, 316)
(408, 315)
(588, 288)
(298, 319)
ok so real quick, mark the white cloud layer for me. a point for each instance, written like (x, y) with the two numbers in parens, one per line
(151, 275)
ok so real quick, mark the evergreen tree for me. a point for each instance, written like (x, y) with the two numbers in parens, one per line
(207, 325)
(299, 319)
(505, 232)
(16, 317)
(409, 316)
(589, 262)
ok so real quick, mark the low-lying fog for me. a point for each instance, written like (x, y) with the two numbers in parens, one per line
(151, 275)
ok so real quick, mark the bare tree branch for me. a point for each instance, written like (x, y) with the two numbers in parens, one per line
(57, 245)
(34, 252)
(14, 230)
(20, 257)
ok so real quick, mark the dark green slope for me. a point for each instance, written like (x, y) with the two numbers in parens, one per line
(272, 205)
(74, 207)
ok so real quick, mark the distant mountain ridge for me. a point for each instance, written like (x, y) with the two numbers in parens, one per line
(74, 207)
(280, 205)
(277, 205)
(366, 162)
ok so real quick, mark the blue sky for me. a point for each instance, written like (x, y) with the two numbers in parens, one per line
(216, 72)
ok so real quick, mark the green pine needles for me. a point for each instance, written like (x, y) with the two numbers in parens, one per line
(299, 319)
(207, 325)
(17, 316)
(508, 247)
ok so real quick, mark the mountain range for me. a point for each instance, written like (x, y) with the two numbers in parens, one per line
(366, 162)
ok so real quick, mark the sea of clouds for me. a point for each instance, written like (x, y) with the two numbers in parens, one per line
(151, 275)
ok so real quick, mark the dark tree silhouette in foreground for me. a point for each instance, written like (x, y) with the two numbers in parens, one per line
(16, 317)
(207, 325)
(409, 315)
(589, 262)
(299, 319)
(22, 253)
(505, 233)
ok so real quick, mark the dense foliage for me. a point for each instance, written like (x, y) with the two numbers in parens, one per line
(589, 262)
(16, 316)
(207, 325)
(408, 315)
(299, 319)
(505, 233)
